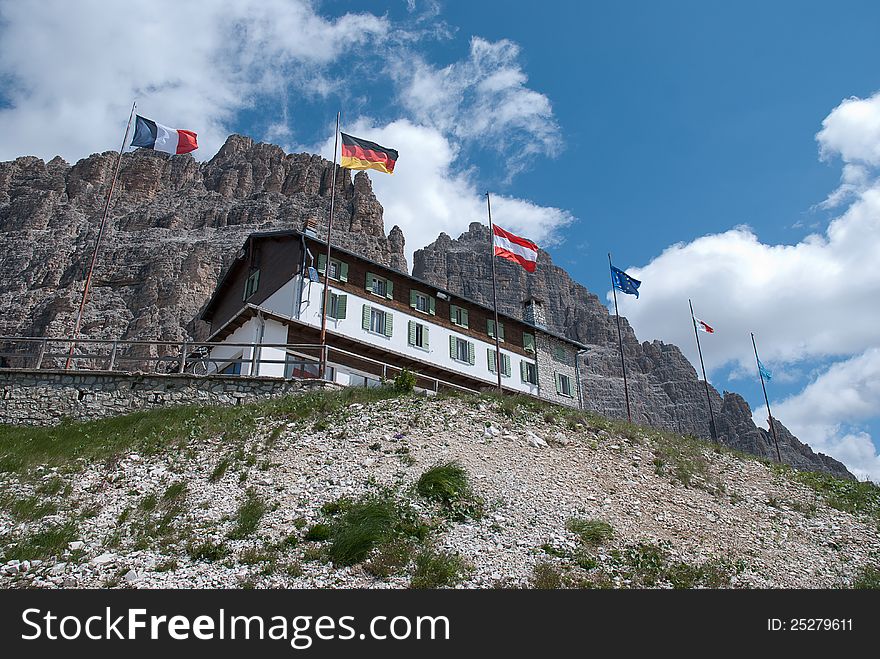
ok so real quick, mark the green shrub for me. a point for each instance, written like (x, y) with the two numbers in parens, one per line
(405, 382)
(362, 527)
(207, 551)
(867, 578)
(220, 469)
(592, 532)
(49, 542)
(438, 569)
(546, 576)
(390, 558)
(248, 516)
(448, 485)
(318, 533)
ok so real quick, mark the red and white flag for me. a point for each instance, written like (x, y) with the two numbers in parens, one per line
(703, 326)
(516, 249)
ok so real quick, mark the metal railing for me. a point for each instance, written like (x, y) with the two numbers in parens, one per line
(200, 358)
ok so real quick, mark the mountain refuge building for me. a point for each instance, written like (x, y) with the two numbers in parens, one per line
(265, 314)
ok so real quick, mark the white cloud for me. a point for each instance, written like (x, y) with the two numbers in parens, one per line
(483, 99)
(71, 70)
(812, 300)
(428, 194)
(827, 413)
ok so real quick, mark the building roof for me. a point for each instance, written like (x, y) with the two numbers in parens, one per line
(293, 233)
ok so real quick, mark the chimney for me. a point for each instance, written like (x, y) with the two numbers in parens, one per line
(533, 312)
(310, 227)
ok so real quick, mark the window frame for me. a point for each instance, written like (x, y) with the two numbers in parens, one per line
(251, 284)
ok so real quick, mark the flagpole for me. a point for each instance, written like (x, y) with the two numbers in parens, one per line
(766, 400)
(712, 429)
(323, 363)
(494, 294)
(620, 340)
(82, 304)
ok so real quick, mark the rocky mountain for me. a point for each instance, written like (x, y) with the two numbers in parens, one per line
(176, 224)
(174, 227)
(665, 391)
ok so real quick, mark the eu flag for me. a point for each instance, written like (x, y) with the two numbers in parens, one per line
(624, 283)
(765, 372)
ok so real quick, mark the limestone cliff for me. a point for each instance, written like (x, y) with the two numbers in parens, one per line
(174, 226)
(664, 389)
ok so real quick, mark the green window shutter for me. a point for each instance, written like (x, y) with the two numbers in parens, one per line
(529, 342)
(559, 353)
(389, 289)
(365, 317)
(464, 318)
(343, 271)
(452, 313)
(341, 304)
(389, 323)
(369, 284)
(490, 355)
(501, 331)
(432, 306)
(522, 371)
(490, 327)
(452, 346)
(322, 263)
(558, 384)
(425, 344)
(471, 355)
(412, 298)
(505, 365)
(411, 326)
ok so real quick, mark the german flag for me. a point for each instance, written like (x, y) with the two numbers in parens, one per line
(361, 154)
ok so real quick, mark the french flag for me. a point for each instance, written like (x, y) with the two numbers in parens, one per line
(516, 249)
(150, 135)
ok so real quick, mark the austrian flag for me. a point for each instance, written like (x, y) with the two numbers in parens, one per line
(519, 250)
(703, 326)
(150, 135)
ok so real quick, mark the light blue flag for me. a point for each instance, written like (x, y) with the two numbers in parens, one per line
(765, 372)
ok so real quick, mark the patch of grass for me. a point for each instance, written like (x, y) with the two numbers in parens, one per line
(52, 486)
(207, 551)
(861, 498)
(148, 503)
(391, 558)
(681, 458)
(254, 555)
(293, 569)
(334, 507)
(592, 532)
(648, 565)
(435, 569)
(152, 431)
(448, 484)
(248, 516)
(49, 542)
(220, 469)
(318, 533)
(370, 523)
(546, 576)
(175, 491)
(26, 508)
(867, 578)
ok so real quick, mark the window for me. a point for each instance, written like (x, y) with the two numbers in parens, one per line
(528, 372)
(461, 350)
(418, 335)
(252, 284)
(563, 385)
(380, 286)
(338, 269)
(505, 362)
(422, 302)
(376, 320)
(458, 316)
(338, 306)
(490, 329)
(560, 355)
(529, 343)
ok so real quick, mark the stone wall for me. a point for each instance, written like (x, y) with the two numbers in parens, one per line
(550, 366)
(46, 397)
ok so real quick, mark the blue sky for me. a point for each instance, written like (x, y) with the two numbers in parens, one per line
(710, 146)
